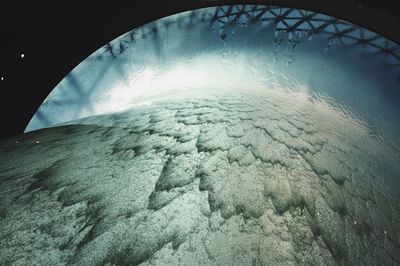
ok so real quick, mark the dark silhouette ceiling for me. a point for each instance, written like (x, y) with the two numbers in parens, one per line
(42, 42)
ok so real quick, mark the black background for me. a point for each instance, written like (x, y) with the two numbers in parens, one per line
(55, 36)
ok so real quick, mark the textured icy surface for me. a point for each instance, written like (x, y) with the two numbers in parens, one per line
(218, 180)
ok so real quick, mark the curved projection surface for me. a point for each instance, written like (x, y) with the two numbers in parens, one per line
(356, 68)
(235, 135)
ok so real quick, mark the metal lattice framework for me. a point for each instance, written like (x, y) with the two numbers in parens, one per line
(294, 25)
(297, 22)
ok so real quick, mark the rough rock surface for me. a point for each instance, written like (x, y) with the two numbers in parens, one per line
(218, 180)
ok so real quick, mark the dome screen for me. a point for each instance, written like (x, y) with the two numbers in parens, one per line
(231, 135)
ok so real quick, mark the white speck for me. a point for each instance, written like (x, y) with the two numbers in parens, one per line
(22, 55)
(2, 78)
(37, 142)
(355, 222)
(16, 142)
(385, 232)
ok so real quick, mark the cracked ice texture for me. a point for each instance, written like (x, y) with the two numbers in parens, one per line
(225, 179)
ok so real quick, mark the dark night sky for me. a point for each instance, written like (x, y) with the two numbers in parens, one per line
(56, 36)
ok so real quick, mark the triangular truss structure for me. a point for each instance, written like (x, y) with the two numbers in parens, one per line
(297, 22)
(294, 22)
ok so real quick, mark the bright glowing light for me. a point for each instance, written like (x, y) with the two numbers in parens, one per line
(210, 73)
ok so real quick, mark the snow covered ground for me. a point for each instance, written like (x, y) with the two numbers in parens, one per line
(261, 178)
